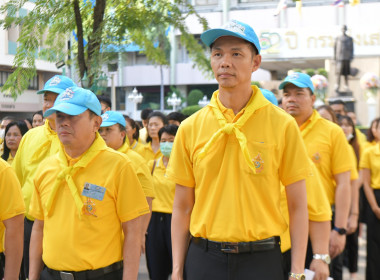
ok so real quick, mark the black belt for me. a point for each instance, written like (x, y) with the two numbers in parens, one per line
(86, 274)
(238, 247)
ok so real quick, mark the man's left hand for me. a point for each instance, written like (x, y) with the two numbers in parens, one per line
(320, 268)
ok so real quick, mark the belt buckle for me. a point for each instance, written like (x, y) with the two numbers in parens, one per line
(66, 275)
(230, 247)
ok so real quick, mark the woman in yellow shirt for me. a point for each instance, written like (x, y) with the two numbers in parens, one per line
(133, 135)
(156, 120)
(13, 134)
(158, 240)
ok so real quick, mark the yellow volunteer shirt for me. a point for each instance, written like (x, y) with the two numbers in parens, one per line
(317, 204)
(327, 147)
(148, 154)
(354, 169)
(371, 160)
(11, 202)
(138, 147)
(141, 168)
(163, 187)
(362, 139)
(232, 203)
(93, 239)
(367, 145)
(36, 145)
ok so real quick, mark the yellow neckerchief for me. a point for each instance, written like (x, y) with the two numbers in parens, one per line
(44, 146)
(256, 102)
(68, 171)
(124, 148)
(307, 126)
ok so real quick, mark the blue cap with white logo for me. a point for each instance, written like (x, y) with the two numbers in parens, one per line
(57, 84)
(74, 101)
(269, 96)
(300, 80)
(232, 28)
(111, 117)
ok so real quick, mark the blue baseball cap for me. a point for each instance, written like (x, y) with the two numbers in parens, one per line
(111, 117)
(57, 84)
(300, 80)
(269, 96)
(74, 101)
(232, 28)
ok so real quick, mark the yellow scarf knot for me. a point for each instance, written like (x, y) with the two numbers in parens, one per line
(228, 128)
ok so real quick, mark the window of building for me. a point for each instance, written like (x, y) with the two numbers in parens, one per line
(205, 2)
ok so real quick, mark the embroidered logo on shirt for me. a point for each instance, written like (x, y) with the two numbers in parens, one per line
(55, 81)
(90, 208)
(316, 157)
(259, 163)
(67, 94)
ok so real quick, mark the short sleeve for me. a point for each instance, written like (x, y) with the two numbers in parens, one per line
(180, 167)
(294, 164)
(365, 162)
(11, 200)
(341, 157)
(35, 207)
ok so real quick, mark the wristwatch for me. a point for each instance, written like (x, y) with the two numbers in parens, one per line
(298, 276)
(341, 231)
(324, 257)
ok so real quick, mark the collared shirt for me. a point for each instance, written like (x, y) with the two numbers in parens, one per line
(232, 202)
(92, 240)
(36, 145)
(141, 168)
(148, 154)
(327, 147)
(11, 201)
(371, 160)
(138, 147)
(163, 187)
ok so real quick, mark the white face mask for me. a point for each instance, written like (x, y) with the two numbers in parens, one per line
(349, 137)
(2, 133)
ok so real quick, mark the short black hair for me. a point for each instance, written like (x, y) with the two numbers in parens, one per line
(170, 129)
(105, 99)
(176, 116)
(145, 113)
(38, 113)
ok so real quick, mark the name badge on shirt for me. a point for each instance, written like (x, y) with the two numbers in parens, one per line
(93, 191)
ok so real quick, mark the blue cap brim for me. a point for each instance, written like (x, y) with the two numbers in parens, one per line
(298, 84)
(209, 36)
(106, 124)
(54, 90)
(66, 108)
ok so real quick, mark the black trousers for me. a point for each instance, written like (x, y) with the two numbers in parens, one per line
(158, 246)
(373, 244)
(115, 275)
(206, 264)
(351, 252)
(2, 265)
(28, 225)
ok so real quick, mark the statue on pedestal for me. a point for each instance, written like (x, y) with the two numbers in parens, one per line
(343, 54)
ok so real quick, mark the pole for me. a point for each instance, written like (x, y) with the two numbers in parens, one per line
(113, 93)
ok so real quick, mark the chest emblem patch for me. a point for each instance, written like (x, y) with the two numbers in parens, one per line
(90, 207)
(316, 157)
(259, 163)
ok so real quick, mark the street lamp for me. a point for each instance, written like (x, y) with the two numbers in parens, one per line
(135, 98)
(174, 101)
(204, 101)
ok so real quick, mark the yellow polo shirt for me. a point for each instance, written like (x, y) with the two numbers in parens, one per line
(148, 154)
(362, 139)
(371, 160)
(93, 239)
(36, 145)
(10, 159)
(367, 145)
(141, 168)
(163, 187)
(317, 204)
(11, 202)
(138, 147)
(231, 202)
(327, 147)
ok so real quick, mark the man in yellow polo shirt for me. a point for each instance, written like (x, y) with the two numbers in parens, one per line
(113, 131)
(228, 161)
(85, 197)
(36, 145)
(12, 209)
(328, 149)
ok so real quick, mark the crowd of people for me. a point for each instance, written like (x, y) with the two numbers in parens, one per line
(246, 188)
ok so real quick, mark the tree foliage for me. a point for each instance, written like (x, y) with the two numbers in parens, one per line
(46, 29)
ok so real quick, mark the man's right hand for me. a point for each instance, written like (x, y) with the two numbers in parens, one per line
(320, 268)
(337, 243)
